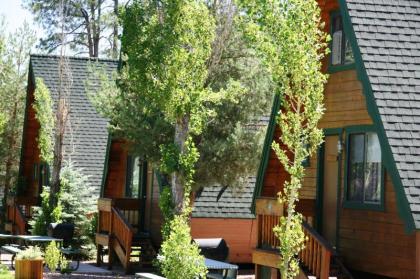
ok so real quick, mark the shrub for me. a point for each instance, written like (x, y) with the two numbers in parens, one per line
(5, 273)
(181, 257)
(52, 256)
(30, 253)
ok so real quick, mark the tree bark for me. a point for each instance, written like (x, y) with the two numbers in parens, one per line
(115, 32)
(178, 191)
(61, 119)
(88, 31)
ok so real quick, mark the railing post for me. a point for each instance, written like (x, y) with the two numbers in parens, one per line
(325, 264)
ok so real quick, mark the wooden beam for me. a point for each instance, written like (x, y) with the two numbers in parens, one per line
(265, 258)
(269, 206)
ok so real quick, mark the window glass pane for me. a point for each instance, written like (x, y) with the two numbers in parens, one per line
(348, 53)
(356, 167)
(136, 178)
(373, 169)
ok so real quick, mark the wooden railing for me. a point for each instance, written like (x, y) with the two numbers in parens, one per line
(317, 253)
(19, 210)
(119, 220)
(122, 233)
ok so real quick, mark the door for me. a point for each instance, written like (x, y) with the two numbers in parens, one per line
(136, 186)
(329, 193)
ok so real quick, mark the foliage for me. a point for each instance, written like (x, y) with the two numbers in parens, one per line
(14, 61)
(90, 25)
(52, 256)
(43, 106)
(30, 253)
(44, 215)
(5, 273)
(167, 209)
(226, 144)
(77, 202)
(289, 37)
(181, 256)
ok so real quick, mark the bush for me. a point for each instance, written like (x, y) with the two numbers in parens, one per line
(5, 273)
(43, 215)
(75, 204)
(181, 256)
(30, 253)
(52, 256)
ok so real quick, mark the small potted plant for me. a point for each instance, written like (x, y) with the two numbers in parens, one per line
(29, 264)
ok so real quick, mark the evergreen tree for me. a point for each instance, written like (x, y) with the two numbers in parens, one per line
(91, 25)
(13, 80)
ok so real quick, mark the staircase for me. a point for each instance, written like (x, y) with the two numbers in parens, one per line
(118, 229)
(18, 212)
(319, 259)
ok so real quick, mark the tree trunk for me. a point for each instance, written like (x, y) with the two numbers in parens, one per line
(181, 135)
(61, 119)
(88, 31)
(115, 32)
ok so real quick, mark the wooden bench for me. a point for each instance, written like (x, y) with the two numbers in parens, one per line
(148, 276)
(11, 249)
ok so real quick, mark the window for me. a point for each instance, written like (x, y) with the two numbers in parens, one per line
(133, 178)
(364, 169)
(341, 52)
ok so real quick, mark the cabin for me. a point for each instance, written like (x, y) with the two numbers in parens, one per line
(130, 219)
(360, 197)
(224, 212)
(85, 139)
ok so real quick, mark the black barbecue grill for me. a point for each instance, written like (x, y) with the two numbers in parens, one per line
(213, 248)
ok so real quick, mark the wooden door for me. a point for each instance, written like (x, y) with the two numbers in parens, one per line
(329, 199)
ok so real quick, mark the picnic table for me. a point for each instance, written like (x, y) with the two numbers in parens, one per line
(220, 270)
(15, 249)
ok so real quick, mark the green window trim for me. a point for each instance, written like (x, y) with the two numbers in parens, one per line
(340, 67)
(355, 204)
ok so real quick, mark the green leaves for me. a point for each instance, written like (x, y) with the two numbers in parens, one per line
(181, 256)
(288, 36)
(43, 106)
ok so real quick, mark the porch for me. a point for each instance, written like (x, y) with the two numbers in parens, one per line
(315, 259)
(121, 229)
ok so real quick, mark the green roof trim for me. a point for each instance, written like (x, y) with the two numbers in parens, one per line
(388, 158)
(266, 150)
(105, 171)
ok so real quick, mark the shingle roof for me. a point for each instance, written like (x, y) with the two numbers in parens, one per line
(85, 144)
(388, 35)
(225, 202)
(228, 202)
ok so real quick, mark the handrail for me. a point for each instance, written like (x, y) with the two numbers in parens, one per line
(316, 255)
(123, 233)
(318, 237)
(20, 220)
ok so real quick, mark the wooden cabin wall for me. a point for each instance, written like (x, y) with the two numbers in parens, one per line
(370, 241)
(117, 165)
(375, 241)
(30, 152)
(240, 235)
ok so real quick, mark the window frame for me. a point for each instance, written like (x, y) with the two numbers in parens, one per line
(341, 67)
(362, 129)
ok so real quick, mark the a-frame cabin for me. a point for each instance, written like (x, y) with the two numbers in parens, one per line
(360, 195)
(84, 140)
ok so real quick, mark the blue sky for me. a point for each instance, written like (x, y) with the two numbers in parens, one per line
(15, 15)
